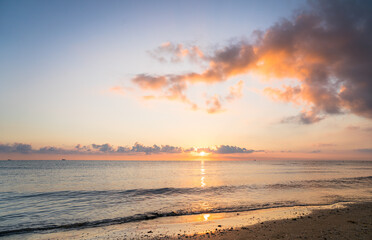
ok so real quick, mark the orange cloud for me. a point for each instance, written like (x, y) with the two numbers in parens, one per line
(289, 94)
(150, 82)
(214, 104)
(117, 89)
(235, 91)
(326, 47)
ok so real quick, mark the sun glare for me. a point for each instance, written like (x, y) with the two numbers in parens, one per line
(202, 154)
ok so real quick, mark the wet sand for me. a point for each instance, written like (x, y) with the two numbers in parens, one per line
(336, 221)
(352, 222)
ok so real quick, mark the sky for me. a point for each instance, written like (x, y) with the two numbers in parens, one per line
(186, 80)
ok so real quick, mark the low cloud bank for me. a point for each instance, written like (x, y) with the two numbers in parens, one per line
(107, 148)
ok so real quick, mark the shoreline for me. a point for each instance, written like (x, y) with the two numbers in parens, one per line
(352, 222)
(349, 220)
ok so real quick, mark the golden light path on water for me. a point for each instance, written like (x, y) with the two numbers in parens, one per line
(203, 184)
(202, 172)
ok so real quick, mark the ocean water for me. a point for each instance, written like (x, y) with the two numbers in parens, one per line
(53, 196)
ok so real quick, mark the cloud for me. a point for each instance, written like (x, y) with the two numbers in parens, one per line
(171, 87)
(305, 117)
(104, 147)
(15, 148)
(148, 150)
(352, 128)
(170, 52)
(316, 151)
(118, 90)
(107, 148)
(214, 104)
(121, 149)
(171, 149)
(223, 64)
(235, 91)
(224, 149)
(53, 150)
(326, 47)
(356, 128)
(137, 147)
(289, 94)
(322, 145)
(364, 150)
(150, 82)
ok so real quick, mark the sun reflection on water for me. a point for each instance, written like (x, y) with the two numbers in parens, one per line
(202, 183)
(202, 172)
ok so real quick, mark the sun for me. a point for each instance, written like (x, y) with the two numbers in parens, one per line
(202, 154)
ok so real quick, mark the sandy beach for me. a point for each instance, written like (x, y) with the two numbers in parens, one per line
(352, 222)
(337, 221)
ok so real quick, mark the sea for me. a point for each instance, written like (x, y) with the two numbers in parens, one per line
(59, 196)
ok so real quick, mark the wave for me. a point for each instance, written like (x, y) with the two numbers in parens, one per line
(59, 197)
(152, 215)
(133, 193)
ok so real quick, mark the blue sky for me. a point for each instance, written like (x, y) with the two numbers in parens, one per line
(59, 60)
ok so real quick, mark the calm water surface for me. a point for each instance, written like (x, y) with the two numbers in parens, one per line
(37, 196)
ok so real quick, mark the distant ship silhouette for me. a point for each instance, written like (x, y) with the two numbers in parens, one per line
(63, 159)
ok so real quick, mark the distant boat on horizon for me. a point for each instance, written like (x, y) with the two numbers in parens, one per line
(63, 159)
(9, 159)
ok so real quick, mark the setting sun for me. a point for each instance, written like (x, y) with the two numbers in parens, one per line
(202, 154)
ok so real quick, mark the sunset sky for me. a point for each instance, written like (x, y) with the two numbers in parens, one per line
(183, 80)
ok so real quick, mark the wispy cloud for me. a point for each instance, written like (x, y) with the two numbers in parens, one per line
(214, 104)
(325, 145)
(305, 117)
(170, 52)
(358, 128)
(364, 150)
(316, 151)
(118, 90)
(236, 91)
(326, 47)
